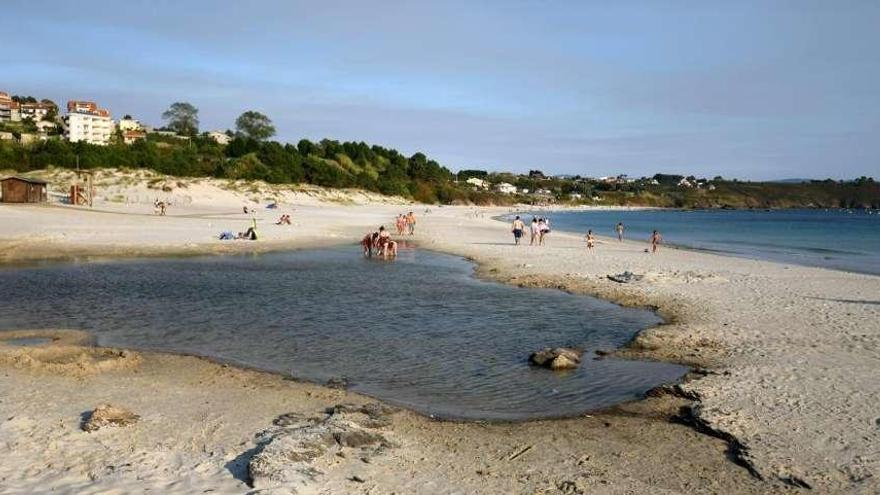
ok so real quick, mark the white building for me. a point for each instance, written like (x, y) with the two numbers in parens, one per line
(478, 183)
(129, 125)
(44, 127)
(505, 188)
(86, 122)
(36, 112)
(219, 137)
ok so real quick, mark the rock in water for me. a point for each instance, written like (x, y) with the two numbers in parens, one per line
(560, 358)
(107, 415)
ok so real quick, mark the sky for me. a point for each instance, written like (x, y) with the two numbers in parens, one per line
(753, 90)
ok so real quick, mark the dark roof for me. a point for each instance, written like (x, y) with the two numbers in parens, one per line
(24, 179)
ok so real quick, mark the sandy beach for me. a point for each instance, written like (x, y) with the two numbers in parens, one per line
(783, 400)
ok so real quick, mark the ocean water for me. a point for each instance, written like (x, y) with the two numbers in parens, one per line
(839, 239)
(421, 331)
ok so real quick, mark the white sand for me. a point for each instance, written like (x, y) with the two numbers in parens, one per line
(792, 354)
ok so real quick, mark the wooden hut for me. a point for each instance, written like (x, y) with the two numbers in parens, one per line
(23, 190)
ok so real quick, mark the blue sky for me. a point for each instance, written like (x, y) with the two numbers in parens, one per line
(761, 90)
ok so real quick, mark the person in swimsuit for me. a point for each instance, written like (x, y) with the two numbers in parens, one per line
(619, 230)
(656, 239)
(590, 239)
(411, 223)
(534, 231)
(518, 228)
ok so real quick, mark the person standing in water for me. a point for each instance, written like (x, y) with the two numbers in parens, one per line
(656, 239)
(619, 230)
(590, 239)
(518, 227)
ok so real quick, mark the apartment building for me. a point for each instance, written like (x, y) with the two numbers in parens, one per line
(10, 111)
(86, 122)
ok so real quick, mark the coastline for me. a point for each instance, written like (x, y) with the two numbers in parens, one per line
(497, 261)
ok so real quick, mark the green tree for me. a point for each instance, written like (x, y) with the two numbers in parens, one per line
(183, 118)
(254, 125)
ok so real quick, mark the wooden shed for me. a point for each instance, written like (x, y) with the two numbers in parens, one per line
(23, 190)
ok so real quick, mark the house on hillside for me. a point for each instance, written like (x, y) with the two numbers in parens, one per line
(219, 137)
(36, 112)
(505, 188)
(10, 111)
(129, 124)
(478, 183)
(129, 137)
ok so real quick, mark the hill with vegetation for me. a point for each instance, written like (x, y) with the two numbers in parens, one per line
(374, 168)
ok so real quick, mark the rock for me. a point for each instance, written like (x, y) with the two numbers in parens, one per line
(107, 415)
(625, 277)
(563, 362)
(357, 438)
(340, 383)
(299, 449)
(560, 358)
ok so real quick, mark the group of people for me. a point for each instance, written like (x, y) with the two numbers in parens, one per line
(540, 227)
(159, 207)
(380, 241)
(538, 230)
(405, 224)
(284, 220)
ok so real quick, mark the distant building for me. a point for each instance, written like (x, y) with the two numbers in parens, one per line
(129, 125)
(10, 111)
(86, 122)
(478, 183)
(129, 137)
(219, 137)
(36, 112)
(505, 188)
(44, 127)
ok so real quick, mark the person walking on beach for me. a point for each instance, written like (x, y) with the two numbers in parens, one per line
(543, 230)
(411, 223)
(656, 239)
(619, 230)
(590, 239)
(400, 224)
(518, 228)
(534, 231)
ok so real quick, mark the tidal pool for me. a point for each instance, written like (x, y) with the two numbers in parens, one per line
(421, 331)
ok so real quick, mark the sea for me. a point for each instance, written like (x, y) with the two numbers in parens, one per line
(839, 239)
(421, 331)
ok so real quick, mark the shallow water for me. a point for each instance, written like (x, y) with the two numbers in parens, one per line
(26, 341)
(421, 331)
(839, 239)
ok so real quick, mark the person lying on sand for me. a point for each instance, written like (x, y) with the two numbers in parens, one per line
(284, 220)
(250, 234)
